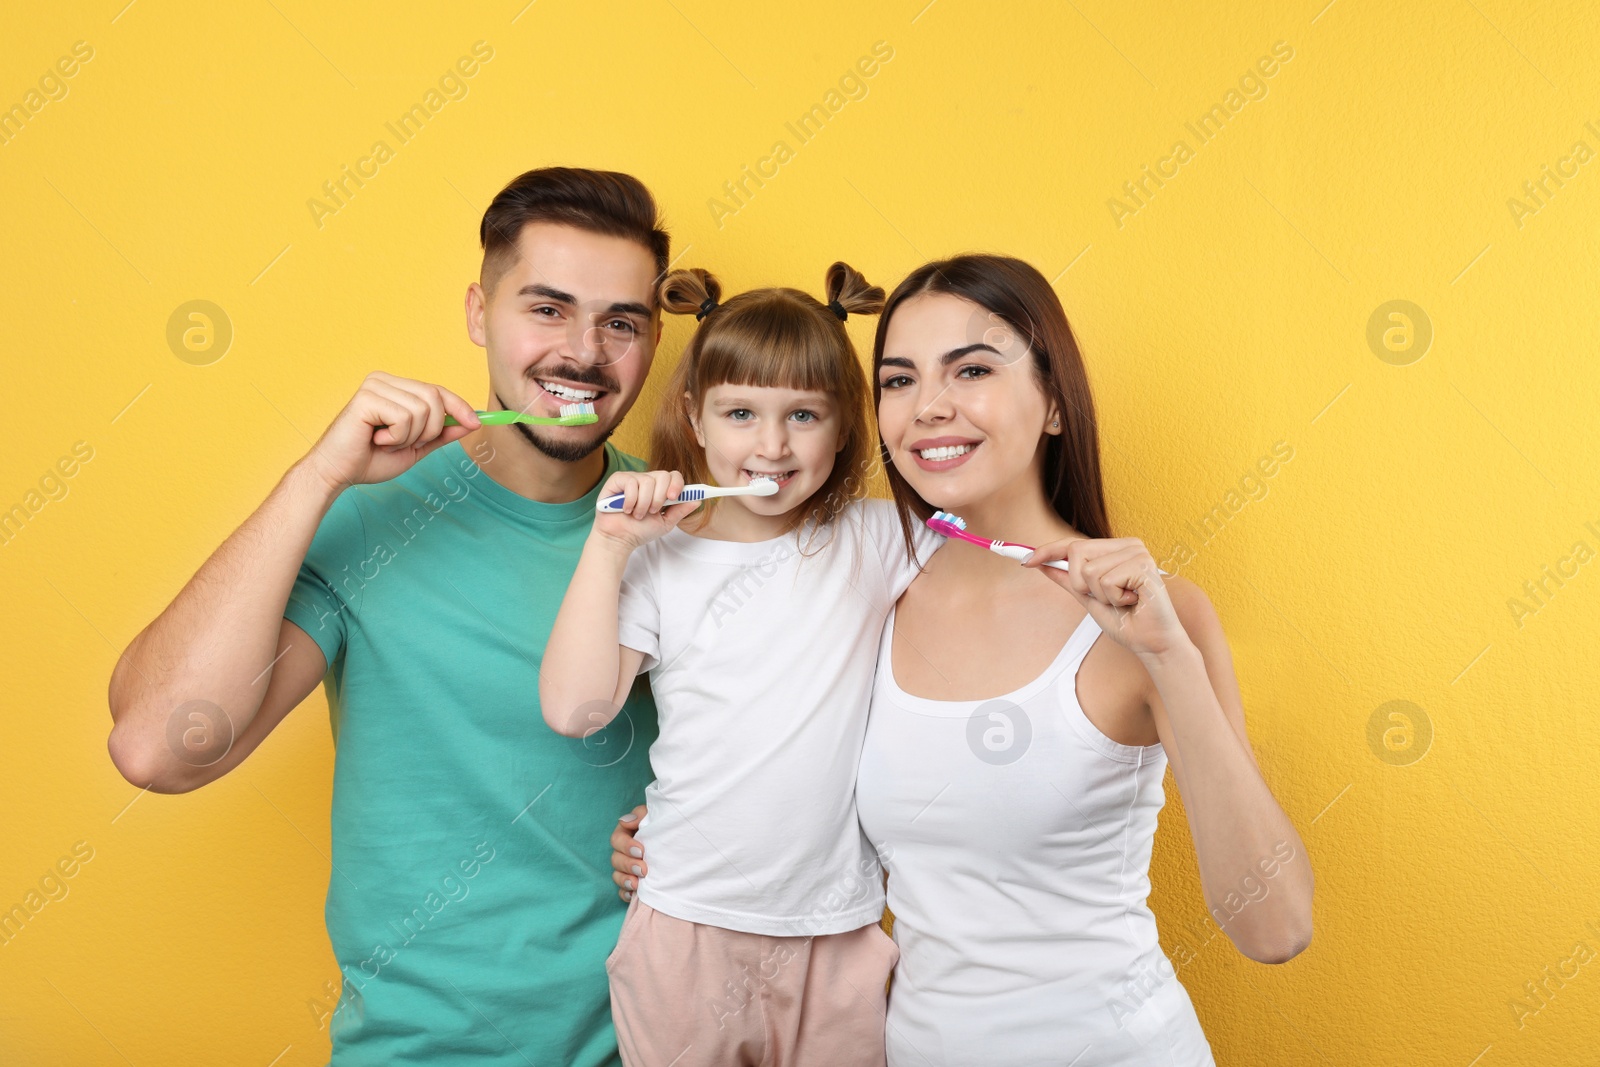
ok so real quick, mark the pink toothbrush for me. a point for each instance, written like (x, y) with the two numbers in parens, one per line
(955, 526)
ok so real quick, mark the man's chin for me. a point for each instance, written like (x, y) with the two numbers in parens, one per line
(565, 449)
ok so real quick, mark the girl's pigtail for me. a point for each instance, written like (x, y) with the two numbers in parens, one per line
(846, 287)
(689, 292)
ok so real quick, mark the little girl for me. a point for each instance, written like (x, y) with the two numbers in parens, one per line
(756, 939)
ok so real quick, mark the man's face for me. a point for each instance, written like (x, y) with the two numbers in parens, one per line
(572, 320)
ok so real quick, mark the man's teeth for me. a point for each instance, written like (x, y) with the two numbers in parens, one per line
(945, 452)
(562, 392)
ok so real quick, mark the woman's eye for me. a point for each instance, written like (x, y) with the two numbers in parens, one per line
(894, 381)
(981, 372)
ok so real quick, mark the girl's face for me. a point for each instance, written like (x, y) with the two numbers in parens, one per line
(960, 409)
(789, 435)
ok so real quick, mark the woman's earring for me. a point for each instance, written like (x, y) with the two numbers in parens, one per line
(1055, 424)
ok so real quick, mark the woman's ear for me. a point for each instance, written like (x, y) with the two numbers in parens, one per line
(694, 419)
(1053, 424)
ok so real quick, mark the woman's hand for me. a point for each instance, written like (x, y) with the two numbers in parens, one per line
(627, 855)
(1117, 581)
(644, 516)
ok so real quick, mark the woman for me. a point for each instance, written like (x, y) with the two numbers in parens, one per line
(1012, 773)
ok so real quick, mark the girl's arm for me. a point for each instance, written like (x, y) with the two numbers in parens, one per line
(1253, 866)
(586, 674)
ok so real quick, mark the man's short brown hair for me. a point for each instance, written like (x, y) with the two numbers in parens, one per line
(600, 201)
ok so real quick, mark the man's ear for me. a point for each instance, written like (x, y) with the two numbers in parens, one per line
(694, 419)
(477, 305)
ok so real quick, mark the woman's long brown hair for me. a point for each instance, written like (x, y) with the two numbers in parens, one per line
(1018, 295)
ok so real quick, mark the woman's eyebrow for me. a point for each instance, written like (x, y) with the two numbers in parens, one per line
(956, 353)
(944, 360)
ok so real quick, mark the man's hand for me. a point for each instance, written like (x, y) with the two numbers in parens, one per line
(386, 428)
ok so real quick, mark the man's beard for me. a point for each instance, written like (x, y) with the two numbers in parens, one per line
(561, 451)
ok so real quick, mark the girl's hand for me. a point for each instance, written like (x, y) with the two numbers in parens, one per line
(1117, 580)
(643, 517)
(627, 855)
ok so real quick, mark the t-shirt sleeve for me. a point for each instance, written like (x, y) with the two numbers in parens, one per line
(316, 603)
(638, 617)
(882, 521)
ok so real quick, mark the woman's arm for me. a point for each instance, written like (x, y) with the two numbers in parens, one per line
(1253, 866)
(1254, 870)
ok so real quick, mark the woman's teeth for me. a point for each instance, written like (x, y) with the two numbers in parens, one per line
(945, 452)
(562, 392)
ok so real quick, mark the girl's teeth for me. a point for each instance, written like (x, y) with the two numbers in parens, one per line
(946, 452)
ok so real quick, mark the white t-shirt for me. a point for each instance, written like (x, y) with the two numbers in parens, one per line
(761, 660)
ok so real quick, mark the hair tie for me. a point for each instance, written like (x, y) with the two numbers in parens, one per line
(838, 309)
(707, 306)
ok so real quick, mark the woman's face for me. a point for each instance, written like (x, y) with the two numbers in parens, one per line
(960, 409)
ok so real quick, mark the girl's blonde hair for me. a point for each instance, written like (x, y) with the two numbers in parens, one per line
(771, 337)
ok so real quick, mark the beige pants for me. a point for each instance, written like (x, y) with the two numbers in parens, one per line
(684, 994)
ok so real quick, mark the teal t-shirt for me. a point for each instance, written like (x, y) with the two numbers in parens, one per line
(471, 907)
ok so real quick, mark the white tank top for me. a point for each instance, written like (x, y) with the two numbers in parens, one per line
(1017, 838)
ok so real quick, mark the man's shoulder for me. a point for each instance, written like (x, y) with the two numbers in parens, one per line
(625, 461)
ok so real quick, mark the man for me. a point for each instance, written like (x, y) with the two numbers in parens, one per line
(417, 568)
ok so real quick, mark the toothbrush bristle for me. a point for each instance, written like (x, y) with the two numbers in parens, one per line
(948, 519)
(577, 409)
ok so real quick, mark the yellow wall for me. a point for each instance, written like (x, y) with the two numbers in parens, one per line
(1225, 316)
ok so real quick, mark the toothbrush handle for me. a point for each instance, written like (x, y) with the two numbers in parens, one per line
(612, 504)
(1020, 552)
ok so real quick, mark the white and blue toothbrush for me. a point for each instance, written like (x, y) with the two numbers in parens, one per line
(691, 493)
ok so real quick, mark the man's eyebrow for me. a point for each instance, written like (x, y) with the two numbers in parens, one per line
(618, 307)
(944, 360)
(548, 293)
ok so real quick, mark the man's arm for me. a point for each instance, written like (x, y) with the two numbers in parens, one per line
(214, 643)
(223, 642)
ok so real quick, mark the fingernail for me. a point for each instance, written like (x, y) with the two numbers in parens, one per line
(627, 895)
(629, 883)
(1028, 557)
(625, 818)
(638, 869)
(636, 852)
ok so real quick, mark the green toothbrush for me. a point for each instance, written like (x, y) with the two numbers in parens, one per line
(571, 415)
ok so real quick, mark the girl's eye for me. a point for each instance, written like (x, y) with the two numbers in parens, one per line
(739, 414)
(895, 381)
(804, 416)
(982, 372)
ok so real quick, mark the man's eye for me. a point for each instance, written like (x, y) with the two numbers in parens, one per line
(623, 325)
(546, 311)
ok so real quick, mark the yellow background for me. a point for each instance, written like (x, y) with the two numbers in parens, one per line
(1229, 312)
